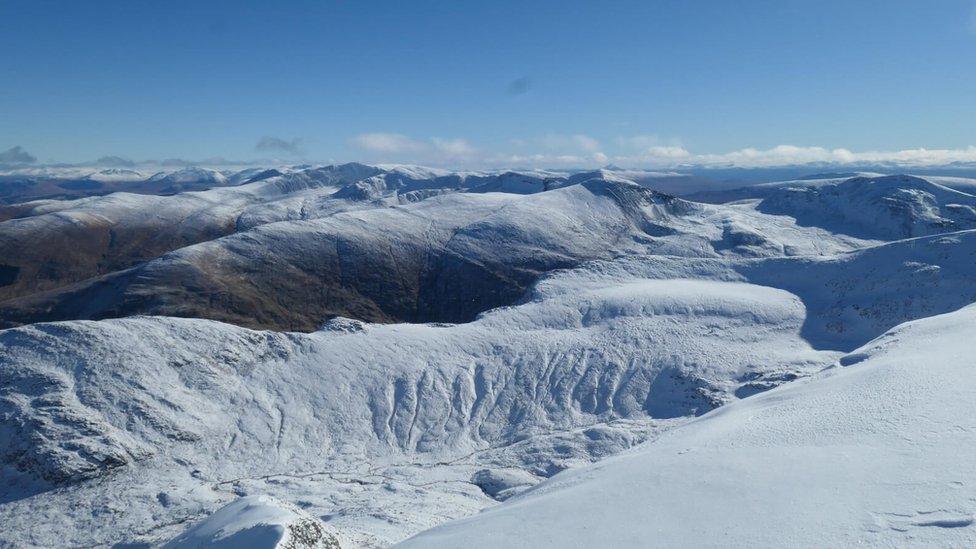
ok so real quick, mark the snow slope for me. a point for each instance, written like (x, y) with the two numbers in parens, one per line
(673, 183)
(61, 183)
(117, 412)
(886, 208)
(872, 452)
(190, 175)
(599, 315)
(850, 297)
(445, 258)
(595, 359)
(257, 522)
(114, 175)
(51, 243)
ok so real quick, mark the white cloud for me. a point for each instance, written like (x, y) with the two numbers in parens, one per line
(586, 143)
(785, 155)
(552, 150)
(638, 142)
(567, 144)
(549, 150)
(634, 144)
(387, 143)
(582, 151)
(454, 147)
(395, 147)
(791, 155)
(668, 152)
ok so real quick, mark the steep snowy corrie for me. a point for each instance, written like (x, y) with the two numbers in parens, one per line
(875, 451)
(195, 404)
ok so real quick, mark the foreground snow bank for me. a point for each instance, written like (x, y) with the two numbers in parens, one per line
(875, 451)
(257, 522)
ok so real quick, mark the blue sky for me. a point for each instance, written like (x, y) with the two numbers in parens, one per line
(490, 83)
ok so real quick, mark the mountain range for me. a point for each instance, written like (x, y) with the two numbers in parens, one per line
(357, 356)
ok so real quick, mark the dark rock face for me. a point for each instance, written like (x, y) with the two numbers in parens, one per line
(8, 274)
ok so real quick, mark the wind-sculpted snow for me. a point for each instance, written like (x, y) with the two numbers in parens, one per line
(874, 452)
(177, 396)
(850, 297)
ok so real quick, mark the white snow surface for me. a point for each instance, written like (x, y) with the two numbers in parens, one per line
(887, 208)
(660, 351)
(874, 451)
(111, 175)
(208, 410)
(189, 175)
(257, 522)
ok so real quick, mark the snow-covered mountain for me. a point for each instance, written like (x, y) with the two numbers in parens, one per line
(189, 175)
(62, 183)
(53, 243)
(888, 208)
(112, 175)
(461, 339)
(445, 258)
(195, 403)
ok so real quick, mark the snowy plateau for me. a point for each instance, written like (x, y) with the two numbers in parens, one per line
(369, 356)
